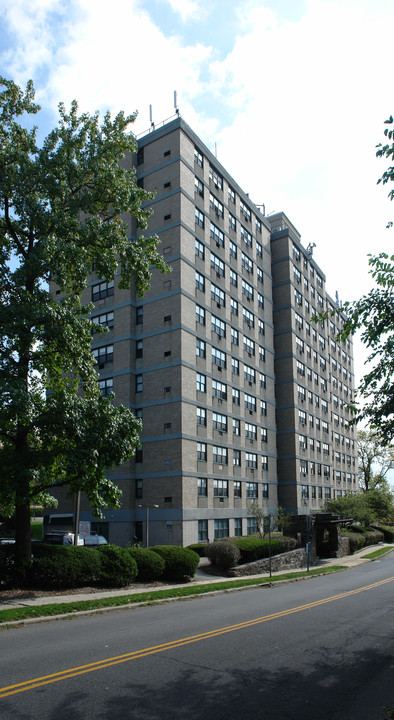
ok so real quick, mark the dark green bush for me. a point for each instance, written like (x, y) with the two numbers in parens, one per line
(7, 554)
(61, 566)
(388, 532)
(253, 548)
(179, 563)
(118, 567)
(223, 553)
(360, 537)
(198, 548)
(150, 564)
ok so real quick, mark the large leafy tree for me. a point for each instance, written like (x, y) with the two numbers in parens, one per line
(373, 314)
(61, 209)
(374, 461)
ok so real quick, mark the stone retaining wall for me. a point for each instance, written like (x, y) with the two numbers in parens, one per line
(289, 560)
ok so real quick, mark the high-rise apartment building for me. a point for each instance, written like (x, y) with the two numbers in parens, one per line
(196, 358)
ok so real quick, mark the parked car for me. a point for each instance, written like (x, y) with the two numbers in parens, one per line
(95, 540)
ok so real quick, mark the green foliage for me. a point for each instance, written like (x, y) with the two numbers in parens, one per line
(374, 460)
(150, 564)
(62, 567)
(387, 151)
(198, 548)
(179, 563)
(365, 508)
(7, 565)
(253, 548)
(118, 567)
(388, 532)
(223, 553)
(61, 210)
(360, 537)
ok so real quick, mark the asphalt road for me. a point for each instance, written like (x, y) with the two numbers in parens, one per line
(321, 648)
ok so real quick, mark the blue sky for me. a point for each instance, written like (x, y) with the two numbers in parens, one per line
(293, 92)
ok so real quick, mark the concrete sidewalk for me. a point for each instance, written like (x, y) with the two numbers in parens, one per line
(201, 578)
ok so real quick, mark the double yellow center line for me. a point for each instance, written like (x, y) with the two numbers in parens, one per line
(110, 662)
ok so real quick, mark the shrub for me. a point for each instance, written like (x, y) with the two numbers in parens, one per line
(60, 566)
(360, 537)
(179, 563)
(388, 532)
(223, 553)
(253, 548)
(198, 548)
(7, 554)
(150, 564)
(118, 567)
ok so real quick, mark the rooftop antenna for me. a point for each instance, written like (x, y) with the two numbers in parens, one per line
(152, 124)
(337, 297)
(176, 102)
(309, 249)
(261, 208)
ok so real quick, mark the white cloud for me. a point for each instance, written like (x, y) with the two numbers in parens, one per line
(187, 9)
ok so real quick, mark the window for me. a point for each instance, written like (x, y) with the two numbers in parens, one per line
(250, 403)
(232, 223)
(201, 416)
(235, 396)
(233, 250)
(234, 336)
(138, 488)
(247, 290)
(236, 427)
(220, 488)
(263, 380)
(216, 178)
(251, 460)
(201, 383)
(249, 346)
(260, 275)
(297, 297)
(237, 489)
(251, 490)
(304, 492)
(313, 488)
(218, 295)
(217, 234)
(246, 236)
(102, 290)
(219, 422)
(198, 187)
(327, 493)
(105, 320)
(200, 348)
(202, 531)
(231, 195)
(199, 249)
(219, 455)
(140, 156)
(233, 278)
(138, 383)
(248, 318)
(247, 264)
(198, 158)
(234, 366)
(249, 374)
(264, 435)
(202, 487)
(236, 458)
(103, 354)
(201, 452)
(218, 326)
(245, 211)
(220, 529)
(260, 300)
(234, 307)
(217, 265)
(304, 467)
(199, 218)
(200, 315)
(200, 282)
(219, 390)
(106, 386)
(252, 526)
(264, 462)
(250, 431)
(259, 247)
(263, 407)
(217, 207)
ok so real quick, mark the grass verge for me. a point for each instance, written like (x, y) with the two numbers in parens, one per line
(70, 608)
(378, 553)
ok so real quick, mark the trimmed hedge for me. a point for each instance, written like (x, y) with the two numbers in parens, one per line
(179, 563)
(150, 564)
(223, 553)
(118, 567)
(7, 554)
(360, 537)
(388, 532)
(60, 567)
(198, 548)
(253, 548)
